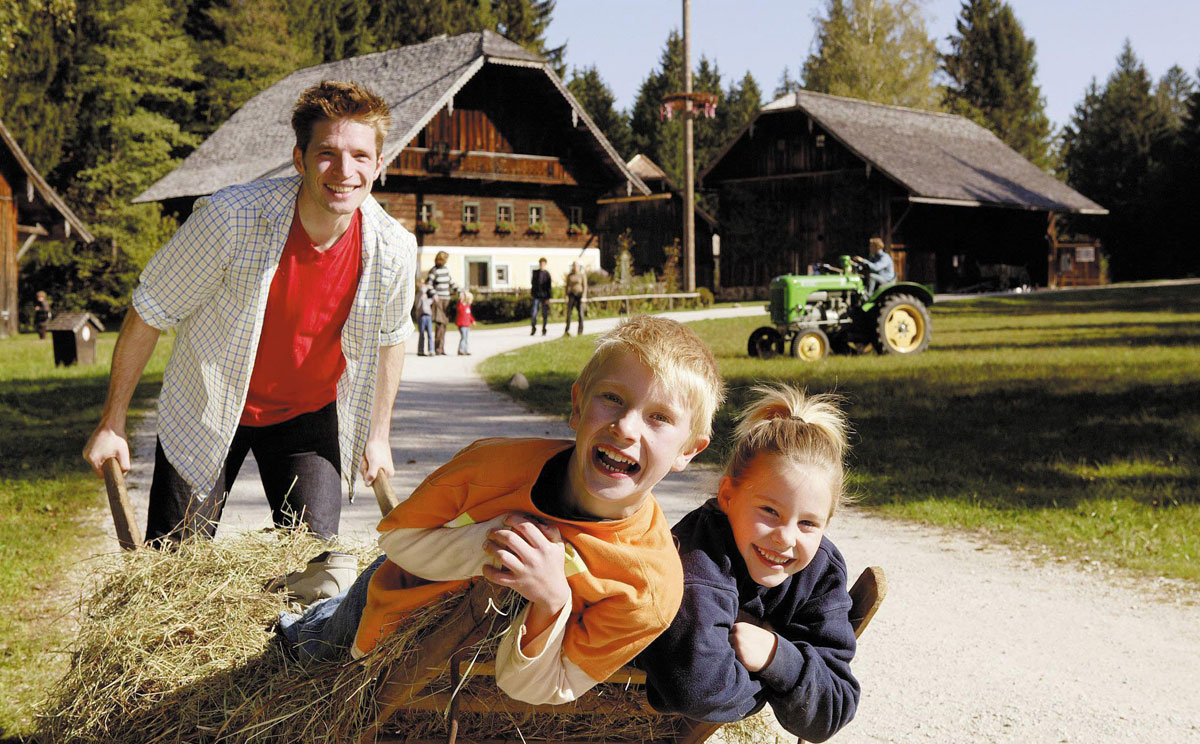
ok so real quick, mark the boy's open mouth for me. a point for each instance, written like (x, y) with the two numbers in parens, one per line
(771, 557)
(615, 462)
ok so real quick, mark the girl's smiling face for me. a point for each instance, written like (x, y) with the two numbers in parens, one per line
(778, 511)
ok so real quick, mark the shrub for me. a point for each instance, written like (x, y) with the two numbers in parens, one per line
(706, 296)
(504, 227)
(470, 227)
(502, 308)
(537, 228)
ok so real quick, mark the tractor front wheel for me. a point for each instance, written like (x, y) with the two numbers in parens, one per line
(810, 345)
(902, 326)
(765, 343)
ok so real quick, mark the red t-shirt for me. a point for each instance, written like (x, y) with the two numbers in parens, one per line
(300, 356)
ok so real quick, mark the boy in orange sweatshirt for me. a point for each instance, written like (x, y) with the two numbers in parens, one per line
(571, 526)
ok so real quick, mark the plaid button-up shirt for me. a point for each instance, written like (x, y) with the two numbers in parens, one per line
(211, 280)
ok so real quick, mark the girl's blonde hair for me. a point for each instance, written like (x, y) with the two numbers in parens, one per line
(804, 429)
(465, 297)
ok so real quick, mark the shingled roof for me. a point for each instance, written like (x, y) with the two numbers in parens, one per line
(40, 203)
(938, 158)
(416, 81)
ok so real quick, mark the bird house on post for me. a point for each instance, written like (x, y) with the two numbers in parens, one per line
(74, 336)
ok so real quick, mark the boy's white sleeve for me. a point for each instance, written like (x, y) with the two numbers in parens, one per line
(548, 678)
(449, 553)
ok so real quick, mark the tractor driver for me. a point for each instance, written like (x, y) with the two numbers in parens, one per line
(879, 267)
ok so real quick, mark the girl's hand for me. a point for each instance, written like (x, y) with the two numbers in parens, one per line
(754, 646)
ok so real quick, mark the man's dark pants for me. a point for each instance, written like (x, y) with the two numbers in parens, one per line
(574, 302)
(300, 465)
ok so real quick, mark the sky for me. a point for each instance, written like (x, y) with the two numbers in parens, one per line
(1077, 40)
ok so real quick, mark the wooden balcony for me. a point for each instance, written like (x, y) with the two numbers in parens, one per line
(480, 165)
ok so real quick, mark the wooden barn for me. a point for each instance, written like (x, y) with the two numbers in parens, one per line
(29, 209)
(655, 221)
(489, 158)
(813, 176)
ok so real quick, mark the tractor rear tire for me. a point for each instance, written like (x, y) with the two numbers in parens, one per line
(810, 345)
(765, 343)
(902, 326)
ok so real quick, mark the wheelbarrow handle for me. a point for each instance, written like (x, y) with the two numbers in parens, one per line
(384, 493)
(118, 501)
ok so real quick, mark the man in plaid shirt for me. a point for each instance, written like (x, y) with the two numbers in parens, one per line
(291, 301)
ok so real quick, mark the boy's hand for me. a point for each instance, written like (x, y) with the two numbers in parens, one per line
(529, 558)
(754, 646)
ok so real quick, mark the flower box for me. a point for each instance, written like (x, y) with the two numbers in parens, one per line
(470, 228)
(427, 227)
(537, 228)
(577, 229)
(504, 227)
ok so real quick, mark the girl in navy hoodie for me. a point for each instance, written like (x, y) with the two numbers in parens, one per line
(765, 614)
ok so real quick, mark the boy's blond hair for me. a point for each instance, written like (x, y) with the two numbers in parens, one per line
(677, 357)
(333, 100)
(803, 429)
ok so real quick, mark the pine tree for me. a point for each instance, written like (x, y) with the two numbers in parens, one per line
(133, 76)
(874, 50)
(249, 46)
(787, 84)
(742, 102)
(1172, 93)
(598, 100)
(992, 69)
(647, 129)
(525, 22)
(34, 102)
(1109, 152)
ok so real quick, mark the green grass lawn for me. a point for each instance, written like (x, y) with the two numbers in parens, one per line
(49, 502)
(1068, 422)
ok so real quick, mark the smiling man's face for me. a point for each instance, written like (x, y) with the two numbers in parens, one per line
(339, 167)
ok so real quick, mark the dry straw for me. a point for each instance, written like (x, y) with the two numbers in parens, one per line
(178, 647)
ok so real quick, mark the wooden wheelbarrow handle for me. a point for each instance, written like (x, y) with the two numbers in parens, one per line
(118, 501)
(384, 493)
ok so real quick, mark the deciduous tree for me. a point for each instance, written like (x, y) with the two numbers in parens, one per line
(874, 50)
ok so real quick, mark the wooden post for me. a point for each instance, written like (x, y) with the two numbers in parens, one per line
(118, 501)
(689, 172)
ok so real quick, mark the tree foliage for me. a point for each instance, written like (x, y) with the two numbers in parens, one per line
(874, 50)
(662, 140)
(991, 68)
(1116, 141)
(244, 47)
(598, 100)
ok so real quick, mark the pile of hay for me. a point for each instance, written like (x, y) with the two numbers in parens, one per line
(179, 647)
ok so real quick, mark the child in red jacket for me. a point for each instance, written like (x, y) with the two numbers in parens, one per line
(464, 320)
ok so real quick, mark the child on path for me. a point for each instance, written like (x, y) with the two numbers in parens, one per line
(765, 614)
(464, 320)
(425, 302)
(571, 526)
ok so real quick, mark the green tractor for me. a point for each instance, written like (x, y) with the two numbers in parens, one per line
(830, 311)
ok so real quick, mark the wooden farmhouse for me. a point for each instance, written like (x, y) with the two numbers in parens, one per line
(655, 221)
(813, 176)
(489, 158)
(29, 209)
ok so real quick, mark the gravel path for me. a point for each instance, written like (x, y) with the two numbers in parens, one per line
(974, 643)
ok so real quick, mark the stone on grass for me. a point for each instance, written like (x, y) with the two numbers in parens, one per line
(518, 382)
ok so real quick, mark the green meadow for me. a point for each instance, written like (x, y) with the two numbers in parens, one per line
(52, 508)
(1067, 422)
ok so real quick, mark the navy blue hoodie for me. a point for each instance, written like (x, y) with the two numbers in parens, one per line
(692, 670)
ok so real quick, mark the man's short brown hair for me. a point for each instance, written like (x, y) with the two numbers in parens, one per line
(334, 99)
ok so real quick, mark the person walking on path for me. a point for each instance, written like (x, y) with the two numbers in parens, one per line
(424, 304)
(539, 289)
(41, 314)
(576, 295)
(464, 320)
(301, 368)
(443, 286)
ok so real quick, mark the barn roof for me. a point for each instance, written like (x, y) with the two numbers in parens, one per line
(938, 158)
(416, 81)
(40, 206)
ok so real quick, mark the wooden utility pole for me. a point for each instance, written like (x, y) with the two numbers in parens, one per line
(689, 173)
